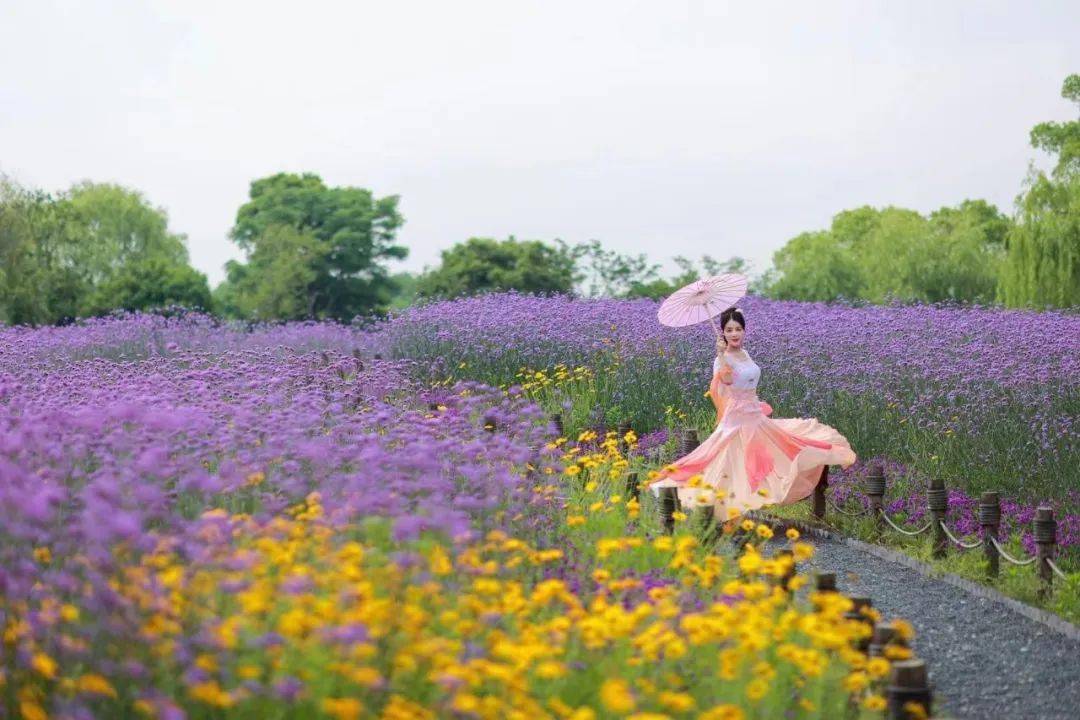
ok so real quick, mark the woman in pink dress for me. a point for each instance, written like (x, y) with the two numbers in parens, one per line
(750, 459)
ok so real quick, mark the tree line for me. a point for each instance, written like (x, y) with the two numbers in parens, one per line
(315, 251)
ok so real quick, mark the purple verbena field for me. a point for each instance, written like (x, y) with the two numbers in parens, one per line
(200, 520)
(984, 398)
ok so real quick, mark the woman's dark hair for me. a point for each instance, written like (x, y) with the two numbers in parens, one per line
(732, 313)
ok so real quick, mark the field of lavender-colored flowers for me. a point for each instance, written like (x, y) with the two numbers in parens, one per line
(985, 398)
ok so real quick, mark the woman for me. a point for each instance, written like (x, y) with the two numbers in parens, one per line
(750, 459)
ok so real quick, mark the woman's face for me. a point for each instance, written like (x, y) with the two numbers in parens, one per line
(733, 333)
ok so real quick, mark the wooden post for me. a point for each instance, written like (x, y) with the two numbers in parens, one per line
(819, 495)
(557, 420)
(1045, 532)
(938, 501)
(990, 519)
(825, 582)
(489, 423)
(632, 489)
(856, 613)
(875, 490)
(908, 682)
(884, 633)
(688, 441)
(624, 427)
(669, 500)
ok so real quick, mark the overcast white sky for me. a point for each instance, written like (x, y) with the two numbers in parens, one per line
(661, 127)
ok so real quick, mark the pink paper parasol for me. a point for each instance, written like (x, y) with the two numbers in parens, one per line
(702, 300)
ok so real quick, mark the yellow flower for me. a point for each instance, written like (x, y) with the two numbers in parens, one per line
(874, 703)
(792, 534)
(855, 682)
(44, 665)
(914, 710)
(676, 702)
(802, 551)
(616, 696)
(896, 652)
(572, 470)
(211, 694)
(550, 670)
(747, 525)
(93, 684)
(32, 711)
(764, 532)
(342, 708)
(756, 689)
(575, 520)
(367, 676)
(723, 712)
(904, 630)
(877, 667)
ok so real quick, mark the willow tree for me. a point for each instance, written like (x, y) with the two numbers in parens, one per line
(1043, 267)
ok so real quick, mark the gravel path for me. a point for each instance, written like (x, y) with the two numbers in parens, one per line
(986, 661)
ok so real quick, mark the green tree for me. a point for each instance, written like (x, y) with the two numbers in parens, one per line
(814, 266)
(348, 233)
(893, 253)
(407, 290)
(278, 281)
(608, 273)
(485, 264)
(62, 256)
(151, 283)
(659, 289)
(1043, 264)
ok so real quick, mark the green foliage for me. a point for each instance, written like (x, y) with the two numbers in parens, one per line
(1062, 139)
(405, 294)
(277, 280)
(61, 256)
(608, 273)
(149, 283)
(338, 236)
(874, 255)
(485, 264)
(659, 289)
(1043, 266)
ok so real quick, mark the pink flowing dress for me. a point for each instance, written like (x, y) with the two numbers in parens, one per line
(751, 459)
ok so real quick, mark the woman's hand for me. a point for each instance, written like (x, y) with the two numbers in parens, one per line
(721, 345)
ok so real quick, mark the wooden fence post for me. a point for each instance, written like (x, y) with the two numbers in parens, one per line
(688, 441)
(825, 582)
(669, 501)
(1045, 538)
(908, 683)
(557, 419)
(632, 489)
(938, 501)
(875, 490)
(856, 613)
(884, 633)
(624, 427)
(818, 506)
(990, 519)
